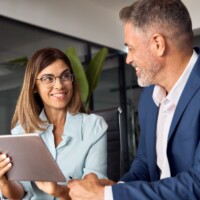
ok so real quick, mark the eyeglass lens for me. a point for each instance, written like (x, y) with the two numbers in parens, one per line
(49, 80)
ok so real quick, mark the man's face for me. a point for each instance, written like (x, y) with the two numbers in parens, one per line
(140, 55)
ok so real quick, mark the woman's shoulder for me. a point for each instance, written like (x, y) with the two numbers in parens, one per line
(17, 130)
(93, 118)
(94, 123)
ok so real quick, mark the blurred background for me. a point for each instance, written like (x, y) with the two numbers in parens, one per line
(86, 25)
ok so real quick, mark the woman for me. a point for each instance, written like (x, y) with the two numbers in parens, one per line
(50, 104)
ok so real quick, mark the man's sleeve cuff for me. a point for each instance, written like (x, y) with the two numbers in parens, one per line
(108, 193)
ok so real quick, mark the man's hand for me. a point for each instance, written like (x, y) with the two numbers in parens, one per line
(89, 188)
(106, 182)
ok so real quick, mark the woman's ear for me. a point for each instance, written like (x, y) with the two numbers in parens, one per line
(35, 90)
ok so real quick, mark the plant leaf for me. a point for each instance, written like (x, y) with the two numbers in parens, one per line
(94, 69)
(79, 73)
(21, 60)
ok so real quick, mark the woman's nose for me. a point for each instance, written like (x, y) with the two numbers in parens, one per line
(58, 83)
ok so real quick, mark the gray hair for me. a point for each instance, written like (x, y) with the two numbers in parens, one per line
(170, 17)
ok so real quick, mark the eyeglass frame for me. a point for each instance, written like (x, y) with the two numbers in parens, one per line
(54, 79)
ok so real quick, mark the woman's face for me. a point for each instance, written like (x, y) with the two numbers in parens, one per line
(55, 93)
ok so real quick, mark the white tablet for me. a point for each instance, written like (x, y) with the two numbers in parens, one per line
(30, 158)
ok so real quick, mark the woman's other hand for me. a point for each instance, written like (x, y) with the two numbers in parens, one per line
(54, 189)
(5, 166)
(48, 187)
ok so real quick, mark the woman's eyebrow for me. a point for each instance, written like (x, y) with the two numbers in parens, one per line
(66, 70)
(47, 75)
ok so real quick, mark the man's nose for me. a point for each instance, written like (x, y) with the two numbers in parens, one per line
(128, 59)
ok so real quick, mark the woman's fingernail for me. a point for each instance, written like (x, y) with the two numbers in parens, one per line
(3, 156)
(9, 164)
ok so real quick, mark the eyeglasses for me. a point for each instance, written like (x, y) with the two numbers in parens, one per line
(48, 80)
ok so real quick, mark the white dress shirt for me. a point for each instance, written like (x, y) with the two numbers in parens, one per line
(167, 105)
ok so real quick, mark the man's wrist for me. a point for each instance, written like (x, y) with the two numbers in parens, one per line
(63, 192)
(100, 193)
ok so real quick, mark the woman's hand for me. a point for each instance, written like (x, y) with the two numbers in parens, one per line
(48, 187)
(5, 166)
(10, 189)
(54, 189)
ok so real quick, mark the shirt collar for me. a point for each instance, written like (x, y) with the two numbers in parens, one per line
(72, 127)
(159, 92)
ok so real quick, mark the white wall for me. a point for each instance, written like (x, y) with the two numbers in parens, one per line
(79, 18)
(193, 7)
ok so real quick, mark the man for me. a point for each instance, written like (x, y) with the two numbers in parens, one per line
(158, 34)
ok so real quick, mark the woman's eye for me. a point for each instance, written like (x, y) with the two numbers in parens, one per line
(66, 77)
(48, 79)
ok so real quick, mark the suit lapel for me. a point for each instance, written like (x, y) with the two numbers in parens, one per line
(192, 85)
(189, 91)
(151, 141)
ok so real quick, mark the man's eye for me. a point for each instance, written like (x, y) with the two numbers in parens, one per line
(130, 50)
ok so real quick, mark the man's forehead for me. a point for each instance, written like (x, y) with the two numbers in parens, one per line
(133, 35)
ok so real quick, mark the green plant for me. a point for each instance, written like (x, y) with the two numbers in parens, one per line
(87, 77)
(22, 60)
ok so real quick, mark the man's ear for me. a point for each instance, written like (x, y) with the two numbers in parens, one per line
(158, 44)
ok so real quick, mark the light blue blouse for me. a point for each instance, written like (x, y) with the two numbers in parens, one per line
(83, 149)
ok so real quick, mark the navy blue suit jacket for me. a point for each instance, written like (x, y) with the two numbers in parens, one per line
(183, 150)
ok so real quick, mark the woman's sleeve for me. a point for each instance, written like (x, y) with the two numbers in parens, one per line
(96, 160)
